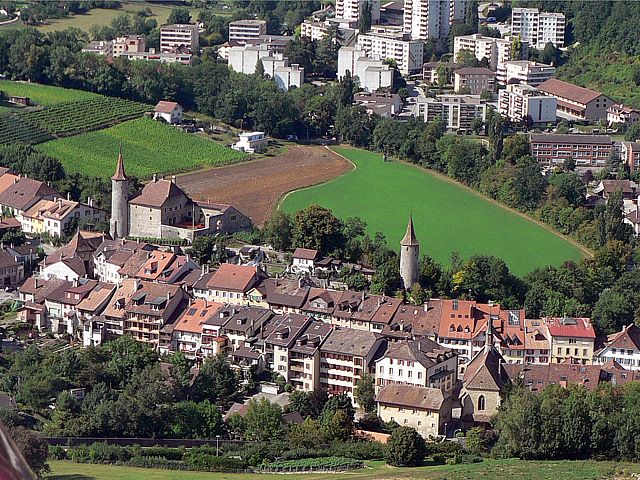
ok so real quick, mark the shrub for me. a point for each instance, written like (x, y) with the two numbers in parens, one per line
(362, 450)
(405, 448)
(57, 452)
(156, 462)
(163, 452)
(102, 452)
(211, 463)
(316, 463)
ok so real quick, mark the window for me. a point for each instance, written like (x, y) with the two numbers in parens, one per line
(381, 370)
(481, 403)
(400, 372)
(419, 375)
(391, 371)
(409, 374)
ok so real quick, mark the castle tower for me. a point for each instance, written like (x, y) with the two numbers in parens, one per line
(119, 223)
(409, 255)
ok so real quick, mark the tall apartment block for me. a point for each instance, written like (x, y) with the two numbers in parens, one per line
(386, 43)
(538, 28)
(243, 31)
(179, 35)
(496, 50)
(351, 9)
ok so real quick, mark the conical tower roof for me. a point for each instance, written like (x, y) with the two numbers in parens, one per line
(410, 239)
(119, 175)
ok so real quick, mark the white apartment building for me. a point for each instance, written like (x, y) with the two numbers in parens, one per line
(243, 31)
(429, 19)
(516, 102)
(244, 59)
(175, 36)
(317, 30)
(457, 111)
(351, 9)
(538, 28)
(371, 72)
(496, 50)
(524, 71)
(388, 43)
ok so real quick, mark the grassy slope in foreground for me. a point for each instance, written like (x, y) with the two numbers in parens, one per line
(489, 469)
(44, 94)
(446, 215)
(148, 147)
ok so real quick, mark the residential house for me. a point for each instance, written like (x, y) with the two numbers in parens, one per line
(630, 154)
(304, 260)
(283, 336)
(11, 270)
(179, 36)
(251, 142)
(372, 72)
(421, 363)
(345, 356)
(32, 294)
(60, 217)
(321, 303)
(526, 104)
(166, 267)
(61, 305)
(149, 308)
(386, 105)
(21, 194)
(170, 112)
(620, 114)
(188, 328)
(572, 339)
(282, 295)
(231, 283)
(622, 347)
(427, 410)
(115, 260)
(524, 72)
(457, 111)
(363, 311)
(243, 324)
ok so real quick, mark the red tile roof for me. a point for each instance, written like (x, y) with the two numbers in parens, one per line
(165, 107)
(569, 91)
(305, 253)
(570, 327)
(155, 194)
(196, 315)
(237, 278)
(423, 398)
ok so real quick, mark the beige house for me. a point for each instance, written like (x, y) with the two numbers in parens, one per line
(428, 410)
(572, 340)
(421, 363)
(231, 284)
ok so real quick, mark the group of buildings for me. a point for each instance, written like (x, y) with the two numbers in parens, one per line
(424, 359)
(178, 44)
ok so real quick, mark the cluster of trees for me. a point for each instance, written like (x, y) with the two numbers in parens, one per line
(34, 13)
(570, 423)
(128, 394)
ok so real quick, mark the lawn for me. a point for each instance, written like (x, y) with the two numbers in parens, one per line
(149, 147)
(490, 469)
(102, 16)
(447, 216)
(44, 94)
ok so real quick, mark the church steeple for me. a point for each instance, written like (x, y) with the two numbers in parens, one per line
(409, 255)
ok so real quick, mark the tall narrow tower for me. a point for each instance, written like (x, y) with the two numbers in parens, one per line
(119, 223)
(409, 254)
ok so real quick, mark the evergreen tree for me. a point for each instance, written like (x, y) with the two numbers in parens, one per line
(364, 19)
(259, 69)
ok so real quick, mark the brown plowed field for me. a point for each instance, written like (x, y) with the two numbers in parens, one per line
(255, 187)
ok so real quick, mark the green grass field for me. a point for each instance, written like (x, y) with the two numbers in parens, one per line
(44, 94)
(103, 16)
(489, 469)
(446, 215)
(148, 146)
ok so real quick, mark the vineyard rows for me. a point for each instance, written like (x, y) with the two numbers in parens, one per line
(86, 115)
(14, 129)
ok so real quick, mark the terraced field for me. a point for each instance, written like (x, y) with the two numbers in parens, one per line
(149, 147)
(65, 118)
(13, 129)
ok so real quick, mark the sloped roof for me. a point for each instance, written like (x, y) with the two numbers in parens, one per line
(350, 342)
(486, 371)
(423, 398)
(197, 314)
(627, 339)
(24, 192)
(569, 91)
(305, 253)
(238, 278)
(409, 238)
(165, 107)
(155, 194)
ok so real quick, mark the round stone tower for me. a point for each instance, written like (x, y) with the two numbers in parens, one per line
(119, 223)
(409, 255)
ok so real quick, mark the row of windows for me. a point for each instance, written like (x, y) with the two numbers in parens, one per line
(400, 372)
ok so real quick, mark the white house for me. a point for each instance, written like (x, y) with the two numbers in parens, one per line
(251, 142)
(304, 260)
(70, 269)
(170, 112)
(623, 347)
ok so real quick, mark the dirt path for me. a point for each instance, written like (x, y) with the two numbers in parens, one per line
(256, 187)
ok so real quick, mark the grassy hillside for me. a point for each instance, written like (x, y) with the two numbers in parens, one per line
(446, 215)
(490, 469)
(44, 94)
(149, 147)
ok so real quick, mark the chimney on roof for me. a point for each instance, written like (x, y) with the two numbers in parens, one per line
(168, 297)
(35, 282)
(205, 303)
(75, 283)
(173, 179)
(68, 195)
(155, 178)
